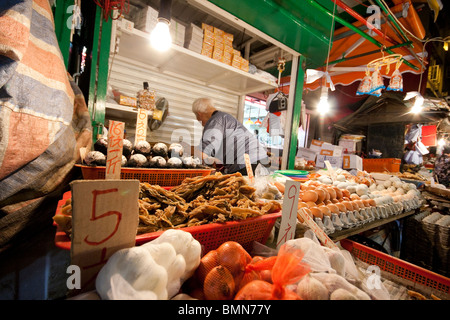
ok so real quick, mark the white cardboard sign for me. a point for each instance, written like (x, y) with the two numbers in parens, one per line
(115, 150)
(289, 212)
(105, 217)
(321, 235)
(141, 125)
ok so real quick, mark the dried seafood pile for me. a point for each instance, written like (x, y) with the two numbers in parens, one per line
(199, 200)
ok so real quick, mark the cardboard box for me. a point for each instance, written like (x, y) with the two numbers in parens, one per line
(326, 149)
(352, 161)
(350, 145)
(336, 162)
(307, 154)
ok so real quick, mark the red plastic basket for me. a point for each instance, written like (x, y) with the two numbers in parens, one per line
(398, 267)
(381, 165)
(210, 236)
(162, 177)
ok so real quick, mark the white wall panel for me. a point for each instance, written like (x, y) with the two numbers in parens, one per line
(128, 76)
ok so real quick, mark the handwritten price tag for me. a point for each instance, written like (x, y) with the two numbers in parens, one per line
(105, 217)
(330, 170)
(115, 150)
(141, 125)
(289, 212)
(321, 235)
(248, 166)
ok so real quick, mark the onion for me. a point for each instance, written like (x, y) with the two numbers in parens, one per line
(207, 263)
(219, 284)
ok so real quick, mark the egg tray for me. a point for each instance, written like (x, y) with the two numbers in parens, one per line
(161, 177)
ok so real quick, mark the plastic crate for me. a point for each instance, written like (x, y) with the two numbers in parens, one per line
(210, 236)
(398, 267)
(382, 164)
(162, 177)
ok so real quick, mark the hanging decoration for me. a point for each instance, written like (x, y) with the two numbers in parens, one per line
(366, 84)
(312, 75)
(108, 6)
(373, 84)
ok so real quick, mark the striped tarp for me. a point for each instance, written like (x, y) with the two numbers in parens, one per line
(37, 142)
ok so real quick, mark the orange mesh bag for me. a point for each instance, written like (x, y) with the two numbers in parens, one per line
(286, 270)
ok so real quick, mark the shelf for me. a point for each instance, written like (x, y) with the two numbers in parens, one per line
(345, 233)
(119, 111)
(186, 64)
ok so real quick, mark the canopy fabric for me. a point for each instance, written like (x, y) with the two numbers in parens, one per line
(348, 44)
(389, 108)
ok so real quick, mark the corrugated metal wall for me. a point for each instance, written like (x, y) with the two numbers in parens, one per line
(128, 76)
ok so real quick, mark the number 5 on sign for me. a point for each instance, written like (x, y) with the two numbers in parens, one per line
(105, 216)
(289, 213)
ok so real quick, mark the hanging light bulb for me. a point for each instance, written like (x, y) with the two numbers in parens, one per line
(323, 107)
(418, 105)
(160, 38)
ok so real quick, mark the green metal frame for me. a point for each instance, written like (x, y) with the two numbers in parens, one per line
(296, 24)
(61, 16)
(98, 84)
(296, 114)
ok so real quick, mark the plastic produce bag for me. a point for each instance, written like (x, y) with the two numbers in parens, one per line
(264, 184)
(288, 268)
(396, 82)
(365, 85)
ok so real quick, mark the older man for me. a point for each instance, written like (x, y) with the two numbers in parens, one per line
(225, 140)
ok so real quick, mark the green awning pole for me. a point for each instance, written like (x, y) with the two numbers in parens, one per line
(382, 6)
(366, 54)
(355, 29)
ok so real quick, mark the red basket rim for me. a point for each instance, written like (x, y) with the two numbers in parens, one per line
(349, 245)
(63, 241)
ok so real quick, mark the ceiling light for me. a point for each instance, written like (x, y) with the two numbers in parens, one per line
(160, 37)
(323, 107)
(418, 105)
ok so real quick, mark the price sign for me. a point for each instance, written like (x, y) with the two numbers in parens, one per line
(115, 150)
(105, 217)
(248, 166)
(330, 170)
(141, 125)
(289, 212)
(321, 235)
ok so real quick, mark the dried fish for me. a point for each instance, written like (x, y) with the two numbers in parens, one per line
(200, 200)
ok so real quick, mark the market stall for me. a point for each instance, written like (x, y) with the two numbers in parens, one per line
(210, 236)
(147, 220)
